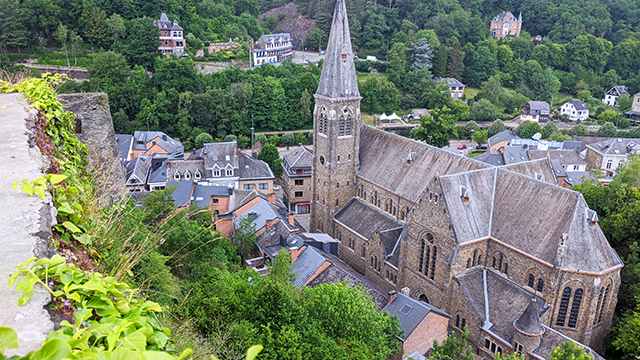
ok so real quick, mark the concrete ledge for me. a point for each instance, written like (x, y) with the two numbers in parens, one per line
(26, 224)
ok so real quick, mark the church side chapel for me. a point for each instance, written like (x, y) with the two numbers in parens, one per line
(504, 250)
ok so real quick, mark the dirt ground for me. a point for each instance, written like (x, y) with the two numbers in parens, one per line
(298, 25)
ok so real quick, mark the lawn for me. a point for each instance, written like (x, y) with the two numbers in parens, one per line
(475, 153)
(368, 119)
(362, 77)
(470, 92)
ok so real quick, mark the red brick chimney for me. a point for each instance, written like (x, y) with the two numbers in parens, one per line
(295, 252)
(269, 223)
(272, 198)
(392, 295)
(291, 219)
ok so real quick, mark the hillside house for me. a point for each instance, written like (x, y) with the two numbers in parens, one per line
(576, 110)
(171, 36)
(505, 24)
(634, 113)
(272, 48)
(536, 111)
(612, 95)
(456, 88)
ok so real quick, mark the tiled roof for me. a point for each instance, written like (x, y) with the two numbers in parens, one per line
(306, 265)
(565, 157)
(505, 135)
(364, 219)
(250, 168)
(410, 313)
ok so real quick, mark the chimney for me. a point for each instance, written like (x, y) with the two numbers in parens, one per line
(291, 218)
(230, 188)
(269, 223)
(272, 198)
(295, 252)
(392, 295)
(254, 155)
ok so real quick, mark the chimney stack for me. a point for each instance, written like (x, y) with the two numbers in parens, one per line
(295, 252)
(392, 295)
(291, 218)
(269, 223)
(272, 198)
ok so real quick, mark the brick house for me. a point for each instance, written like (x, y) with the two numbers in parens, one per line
(610, 154)
(171, 36)
(474, 240)
(296, 179)
(505, 24)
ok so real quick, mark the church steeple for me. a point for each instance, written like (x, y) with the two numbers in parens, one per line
(336, 127)
(338, 79)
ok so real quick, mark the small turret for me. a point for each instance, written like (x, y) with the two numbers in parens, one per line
(528, 328)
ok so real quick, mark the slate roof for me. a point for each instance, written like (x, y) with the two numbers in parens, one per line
(189, 192)
(578, 177)
(552, 339)
(508, 16)
(159, 174)
(364, 219)
(175, 26)
(539, 105)
(339, 271)
(164, 22)
(410, 313)
(182, 166)
(578, 104)
(533, 169)
(515, 154)
(279, 235)
(182, 193)
(558, 168)
(565, 157)
(491, 157)
(507, 300)
(263, 211)
(505, 135)
(616, 146)
(251, 168)
(137, 170)
(300, 158)
(452, 82)
(221, 154)
(391, 240)
(338, 78)
(383, 161)
(618, 91)
(274, 38)
(529, 322)
(173, 147)
(309, 261)
(124, 144)
(528, 215)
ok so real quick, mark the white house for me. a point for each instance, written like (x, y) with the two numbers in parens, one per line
(575, 109)
(611, 96)
(272, 48)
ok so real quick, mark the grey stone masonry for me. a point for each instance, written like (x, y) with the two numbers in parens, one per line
(26, 224)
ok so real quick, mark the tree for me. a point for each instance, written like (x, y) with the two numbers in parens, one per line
(109, 69)
(202, 139)
(288, 139)
(305, 110)
(269, 154)
(437, 129)
(452, 348)
(480, 137)
(559, 137)
(397, 64)
(261, 138)
(583, 94)
(544, 84)
(75, 43)
(41, 16)
(455, 65)
(440, 62)
(422, 56)
(316, 39)
(230, 138)
(116, 27)
(371, 92)
(527, 129)
(97, 29)
(496, 127)
(609, 115)
(245, 237)
(549, 129)
(569, 350)
(634, 132)
(483, 65)
(143, 42)
(12, 32)
(471, 127)
(484, 110)
(607, 130)
(624, 103)
(579, 130)
(62, 36)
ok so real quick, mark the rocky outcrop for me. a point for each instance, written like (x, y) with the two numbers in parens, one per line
(95, 129)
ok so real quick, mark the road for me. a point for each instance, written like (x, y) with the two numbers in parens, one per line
(453, 148)
(300, 56)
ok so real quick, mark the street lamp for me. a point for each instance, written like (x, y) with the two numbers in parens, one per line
(251, 132)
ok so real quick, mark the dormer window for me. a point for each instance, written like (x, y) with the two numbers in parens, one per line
(592, 217)
(187, 175)
(176, 175)
(344, 57)
(539, 177)
(229, 171)
(216, 173)
(464, 194)
(197, 175)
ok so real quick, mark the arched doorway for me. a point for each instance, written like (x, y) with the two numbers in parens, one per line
(424, 298)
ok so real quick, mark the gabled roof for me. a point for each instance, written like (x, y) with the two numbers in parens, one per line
(159, 174)
(539, 105)
(308, 263)
(390, 240)
(452, 82)
(300, 157)
(338, 77)
(182, 166)
(410, 313)
(175, 26)
(505, 135)
(221, 154)
(505, 16)
(577, 103)
(565, 157)
(618, 91)
(189, 192)
(250, 168)
(263, 211)
(124, 144)
(364, 219)
(515, 154)
(137, 170)
(616, 146)
(164, 23)
(529, 215)
(383, 161)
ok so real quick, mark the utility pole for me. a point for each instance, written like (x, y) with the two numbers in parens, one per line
(251, 133)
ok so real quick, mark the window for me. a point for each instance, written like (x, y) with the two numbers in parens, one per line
(298, 194)
(187, 175)
(247, 186)
(540, 285)
(598, 162)
(518, 348)
(341, 125)
(426, 264)
(363, 251)
(433, 262)
(531, 280)
(176, 176)
(337, 185)
(299, 182)
(564, 305)
(603, 304)
(263, 186)
(609, 162)
(421, 257)
(575, 308)
(457, 320)
(215, 201)
(197, 174)
(468, 263)
(216, 173)
(336, 202)
(299, 172)
(229, 172)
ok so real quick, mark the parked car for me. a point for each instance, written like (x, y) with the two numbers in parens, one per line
(462, 147)
(481, 147)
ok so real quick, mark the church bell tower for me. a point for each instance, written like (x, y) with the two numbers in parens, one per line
(336, 127)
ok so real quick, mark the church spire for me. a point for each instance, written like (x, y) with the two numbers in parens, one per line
(338, 79)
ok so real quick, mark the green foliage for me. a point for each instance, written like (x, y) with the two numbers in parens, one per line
(496, 127)
(484, 110)
(202, 139)
(230, 138)
(288, 139)
(97, 29)
(480, 137)
(579, 130)
(549, 129)
(421, 55)
(528, 128)
(558, 136)
(453, 348)
(269, 154)
(437, 129)
(607, 130)
(261, 138)
(570, 350)
(607, 116)
(143, 43)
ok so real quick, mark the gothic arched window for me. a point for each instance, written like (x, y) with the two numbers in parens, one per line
(348, 125)
(421, 257)
(531, 279)
(564, 305)
(433, 262)
(575, 308)
(426, 264)
(603, 304)
(341, 126)
(475, 256)
(540, 285)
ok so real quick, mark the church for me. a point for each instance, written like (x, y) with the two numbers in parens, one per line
(519, 260)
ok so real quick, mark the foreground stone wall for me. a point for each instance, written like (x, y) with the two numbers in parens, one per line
(95, 129)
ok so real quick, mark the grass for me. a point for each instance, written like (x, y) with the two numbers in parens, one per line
(561, 99)
(474, 153)
(368, 119)
(470, 92)
(362, 77)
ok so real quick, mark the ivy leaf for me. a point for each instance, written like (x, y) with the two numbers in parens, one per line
(27, 189)
(71, 227)
(54, 349)
(57, 178)
(157, 355)
(8, 339)
(254, 351)
(27, 282)
(39, 190)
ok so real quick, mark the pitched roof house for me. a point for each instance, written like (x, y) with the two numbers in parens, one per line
(576, 110)
(612, 95)
(536, 111)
